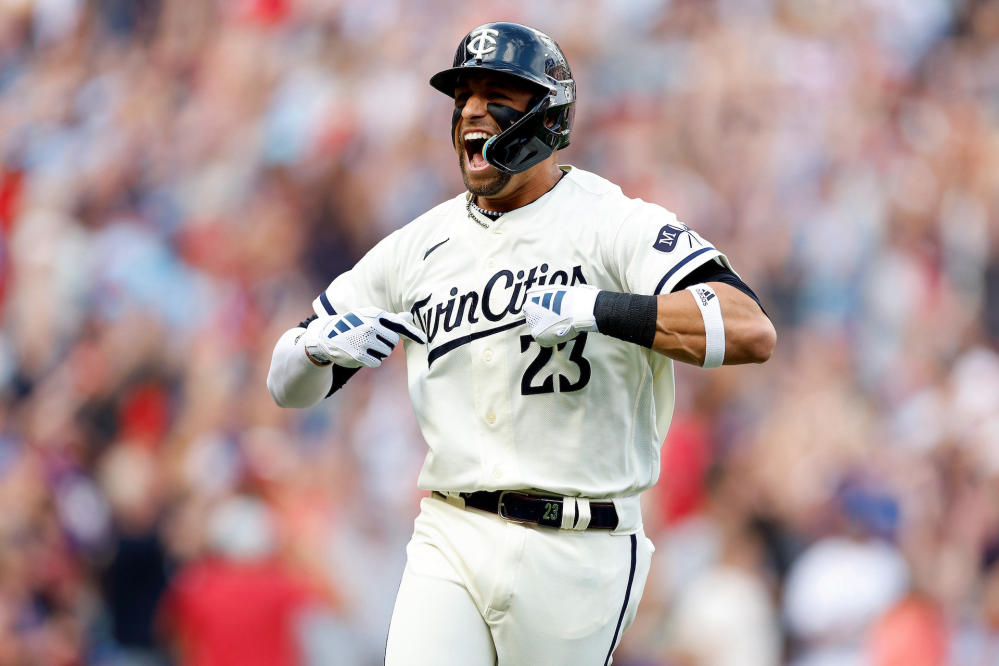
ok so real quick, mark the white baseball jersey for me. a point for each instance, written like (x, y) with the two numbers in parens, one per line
(498, 411)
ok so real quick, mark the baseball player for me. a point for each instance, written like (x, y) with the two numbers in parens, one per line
(541, 312)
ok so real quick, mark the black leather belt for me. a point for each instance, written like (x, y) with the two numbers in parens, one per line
(541, 510)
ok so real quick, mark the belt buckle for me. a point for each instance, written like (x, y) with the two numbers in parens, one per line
(501, 509)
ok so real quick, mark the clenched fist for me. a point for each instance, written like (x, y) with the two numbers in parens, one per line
(558, 314)
(363, 337)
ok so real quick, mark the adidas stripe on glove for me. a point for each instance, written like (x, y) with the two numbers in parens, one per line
(363, 337)
(558, 314)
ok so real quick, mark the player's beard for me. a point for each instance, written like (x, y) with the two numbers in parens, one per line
(488, 188)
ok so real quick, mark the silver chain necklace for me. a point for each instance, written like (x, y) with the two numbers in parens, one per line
(488, 214)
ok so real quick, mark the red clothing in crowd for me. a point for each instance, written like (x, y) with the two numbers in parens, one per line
(224, 613)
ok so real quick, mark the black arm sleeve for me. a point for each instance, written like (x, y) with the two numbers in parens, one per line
(341, 375)
(712, 271)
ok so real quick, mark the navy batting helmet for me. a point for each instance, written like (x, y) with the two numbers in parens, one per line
(531, 57)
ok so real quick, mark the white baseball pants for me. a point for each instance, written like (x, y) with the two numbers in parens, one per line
(479, 591)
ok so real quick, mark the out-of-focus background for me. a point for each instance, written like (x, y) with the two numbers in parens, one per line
(179, 178)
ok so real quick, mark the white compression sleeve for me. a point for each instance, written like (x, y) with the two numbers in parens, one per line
(293, 380)
(714, 325)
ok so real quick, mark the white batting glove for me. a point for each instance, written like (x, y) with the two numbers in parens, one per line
(362, 337)
(558, 314)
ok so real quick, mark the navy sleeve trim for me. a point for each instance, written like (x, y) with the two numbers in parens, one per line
(686, 260)
(326, 303)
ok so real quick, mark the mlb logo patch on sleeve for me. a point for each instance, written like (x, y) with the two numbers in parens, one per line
(669, 235)
(667, 238)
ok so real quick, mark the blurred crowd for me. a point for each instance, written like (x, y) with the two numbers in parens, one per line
(179, 178)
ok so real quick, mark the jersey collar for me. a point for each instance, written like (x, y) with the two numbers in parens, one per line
(489, 223)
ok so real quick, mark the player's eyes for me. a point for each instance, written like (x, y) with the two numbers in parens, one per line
(461, 99)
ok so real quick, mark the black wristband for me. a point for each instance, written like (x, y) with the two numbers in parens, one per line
(628, 317)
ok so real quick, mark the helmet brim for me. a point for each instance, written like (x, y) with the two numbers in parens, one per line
(447, 80)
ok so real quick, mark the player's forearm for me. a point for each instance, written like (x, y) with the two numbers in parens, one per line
(293, 380)
(749, 335)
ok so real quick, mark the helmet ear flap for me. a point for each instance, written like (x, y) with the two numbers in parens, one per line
(558, 121)
(555, 120)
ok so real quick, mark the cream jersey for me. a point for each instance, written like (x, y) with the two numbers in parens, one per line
(498, 411)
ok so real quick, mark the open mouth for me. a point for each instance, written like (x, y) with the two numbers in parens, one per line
(474, 143)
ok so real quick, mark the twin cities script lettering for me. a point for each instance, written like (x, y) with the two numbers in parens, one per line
(503, 294)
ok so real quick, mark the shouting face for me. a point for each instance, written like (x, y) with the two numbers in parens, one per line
(475, 125)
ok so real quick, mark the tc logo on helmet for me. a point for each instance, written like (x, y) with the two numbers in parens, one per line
(482, 41)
